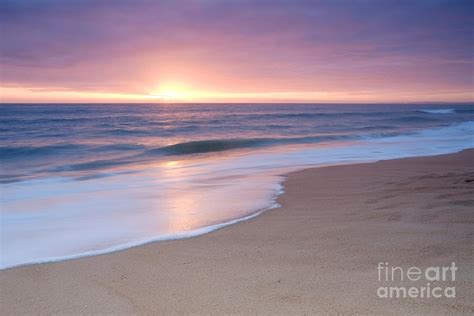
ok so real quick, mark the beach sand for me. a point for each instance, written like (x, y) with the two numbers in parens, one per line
(317, 253)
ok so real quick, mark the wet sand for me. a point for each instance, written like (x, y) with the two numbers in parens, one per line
(317, 253)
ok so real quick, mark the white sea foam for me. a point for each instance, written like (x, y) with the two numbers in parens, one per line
(439, 111)
(59, 218)
(136, 243)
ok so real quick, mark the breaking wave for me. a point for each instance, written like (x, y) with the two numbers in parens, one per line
(438, 111)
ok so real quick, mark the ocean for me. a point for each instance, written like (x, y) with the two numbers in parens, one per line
(79, 180)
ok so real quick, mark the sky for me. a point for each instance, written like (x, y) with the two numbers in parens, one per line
(236, 51)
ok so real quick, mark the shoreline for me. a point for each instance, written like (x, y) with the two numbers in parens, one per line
(273, 203)
(296, 192)
(185, 235)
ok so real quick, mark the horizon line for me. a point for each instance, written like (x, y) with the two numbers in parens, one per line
(223, 103)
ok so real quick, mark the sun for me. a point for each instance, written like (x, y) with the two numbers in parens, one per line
(170, 93)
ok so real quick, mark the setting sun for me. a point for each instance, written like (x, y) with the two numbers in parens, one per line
(171, 92)
(167, 95)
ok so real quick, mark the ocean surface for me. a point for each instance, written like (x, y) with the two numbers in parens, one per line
(80, 180)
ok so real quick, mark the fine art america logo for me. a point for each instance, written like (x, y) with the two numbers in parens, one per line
(416, 282)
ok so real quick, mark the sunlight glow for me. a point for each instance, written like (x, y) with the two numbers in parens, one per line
(171, 92)
(178, 93)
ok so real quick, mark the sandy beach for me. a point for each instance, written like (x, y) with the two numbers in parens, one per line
(317, 253)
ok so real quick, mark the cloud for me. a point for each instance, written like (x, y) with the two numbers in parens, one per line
(237, 46)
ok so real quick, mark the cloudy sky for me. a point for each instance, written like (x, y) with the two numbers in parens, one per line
(236, 51)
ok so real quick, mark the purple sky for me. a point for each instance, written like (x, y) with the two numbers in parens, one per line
(347, 51)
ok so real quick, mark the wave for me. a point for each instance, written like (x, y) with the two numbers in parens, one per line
(38, 152)
(216, 145)
(119, 147)
(411, 119)
(438, 111)
(124, 132)
(119, 154)
(306, 115)
(21, 152)
(374, 128)
(92, 165)
(193, 148)
(219, 145)
(138, 153)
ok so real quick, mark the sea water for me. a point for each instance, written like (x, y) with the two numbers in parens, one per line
(80, 180)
